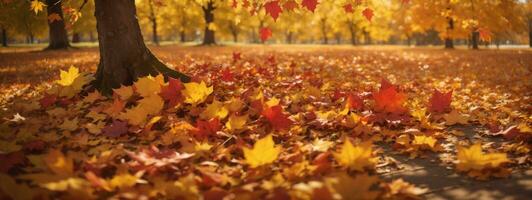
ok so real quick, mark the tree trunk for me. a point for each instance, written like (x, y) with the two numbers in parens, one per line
(530, 32)
(325, 40)
(4, 37)
(408, 40)
(124, 56)
(289, 36)
(182, 36)
(91, 36)
(338, 38)
(448, 39)
(76, 38)
(353, 32)
(209, 37)
(234, 32)
(58, 34)
(367, 38)
(153, 20)
(475, 36)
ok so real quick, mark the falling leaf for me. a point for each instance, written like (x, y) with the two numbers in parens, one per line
(273, 9)
(310, 4)
(265, 33)
(54, 17)
(37, 6)
(368, 13)
(263, 152)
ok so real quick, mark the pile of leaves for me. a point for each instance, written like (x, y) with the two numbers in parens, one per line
(253, 128)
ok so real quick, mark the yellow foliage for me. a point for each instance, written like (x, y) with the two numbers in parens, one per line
(263, 152)
(196, 93)
(356, 157)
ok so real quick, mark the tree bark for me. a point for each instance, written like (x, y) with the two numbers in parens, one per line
(124, 56)
(448, 39)
(182, 36)
(153, 20)
(209, 37)
(57, 31)
(353, 32)
(4, 37)
(475, 36)
(325, 39)
(367, 38)
(289, 36)
(76, 37)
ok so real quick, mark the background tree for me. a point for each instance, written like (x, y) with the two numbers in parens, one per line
(58, 37)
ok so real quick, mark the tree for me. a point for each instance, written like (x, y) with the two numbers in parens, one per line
(56, 24)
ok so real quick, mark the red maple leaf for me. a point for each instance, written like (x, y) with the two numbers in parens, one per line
(48, 100)
(227, 76)
(348, 8)
(265, 33)
(237, 56)
(389, 100)
(440, 102)
(277, 118)
(273, 9)
(354, 102)
(290, 5)
(310, 4)
(385, 84)
(368, 13)
(115, 129)
(204, 129)
(172, 92)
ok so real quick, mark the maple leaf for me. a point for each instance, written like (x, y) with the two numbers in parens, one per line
(237, 56)
(227, 75)
(368, 13)
(37, 6)
(72, 81)
(473, 160)
(216, 109)
(440, 102)
(151, 105)
(403, 190)
(263, 152)
(348, 8)
(149, 86)
(54, 17)
(205, 129)
(343, 185)
(172, 92)
(389, 100)
(454, 117)
(355, 157)
(236, 122)
(290, 5)
(58, 163)
(115, 129)
(485, 34)
(310, 4)
(273, 9)
(425, 142)
(67, 77)
(196, 93)
(265, 33)
(354, 102)
(48, 100)
(124, 92)
(277, 118)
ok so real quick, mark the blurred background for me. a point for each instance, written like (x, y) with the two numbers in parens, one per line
(500, 23)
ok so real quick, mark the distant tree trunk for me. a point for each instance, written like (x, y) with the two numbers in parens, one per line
(367, 38)
(448, 39)
(91, 36)
(325, 40)
(338, 38)
(4, 37)
(58, 34)
(209, 37)
(153, 19)
(475, 36)
(352, 30)
(182, 36)
(289, 37)
(76, 37)
(530, 32)
(124, 56)
(408, 40)
(234, 32)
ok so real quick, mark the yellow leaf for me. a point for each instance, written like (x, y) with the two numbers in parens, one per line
(196, 93)
(236, 122)
(68, 77)
(152, 104)
(234, 105)
(37, 6)
(216, 109)
(353, 188)
(124, 92)
(454, 117)
(149, 86)
(263, 152)
(58, 163)
(67, 184)
(123, 181)
(424, 141)
(272, 102)
(472, 158)
(355, 157)
(135, 116)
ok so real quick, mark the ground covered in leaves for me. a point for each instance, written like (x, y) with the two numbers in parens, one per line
(279, 122)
